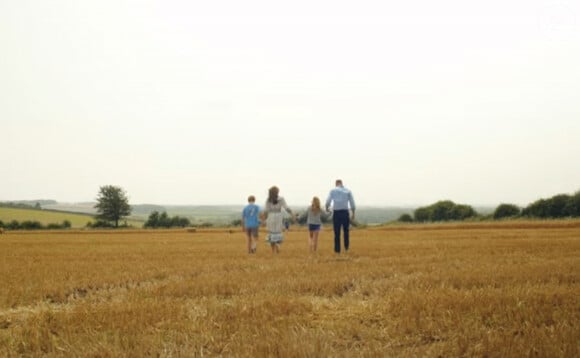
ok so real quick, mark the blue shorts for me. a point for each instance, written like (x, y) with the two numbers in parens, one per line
(314, 227)
(252, 231)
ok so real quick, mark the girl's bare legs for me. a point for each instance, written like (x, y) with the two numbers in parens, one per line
(311, 241)
(315, 241)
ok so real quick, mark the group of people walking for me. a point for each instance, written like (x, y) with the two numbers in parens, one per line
(340, 200)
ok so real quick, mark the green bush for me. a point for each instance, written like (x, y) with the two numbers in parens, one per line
(405, 218)
(558, 206)
(444, 210)
(30, 225)
(506, 211)
(100, 224)
(572, 207)
(422, 214)
(158, 220)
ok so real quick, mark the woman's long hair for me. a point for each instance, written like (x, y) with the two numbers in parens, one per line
(316, 205)
(273, 195)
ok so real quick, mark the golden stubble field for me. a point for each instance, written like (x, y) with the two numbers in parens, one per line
(508, 289)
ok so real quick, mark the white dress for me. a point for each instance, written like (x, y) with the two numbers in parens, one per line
(275, 220)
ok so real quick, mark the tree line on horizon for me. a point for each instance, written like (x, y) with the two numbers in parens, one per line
(555, 207)
(113, 205)
(34, 225)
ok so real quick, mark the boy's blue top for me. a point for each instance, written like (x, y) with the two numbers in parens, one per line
(250, 216)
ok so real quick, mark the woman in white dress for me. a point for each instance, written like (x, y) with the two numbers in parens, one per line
(274, 217)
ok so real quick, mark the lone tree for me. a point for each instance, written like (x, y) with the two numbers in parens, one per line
(112, 204)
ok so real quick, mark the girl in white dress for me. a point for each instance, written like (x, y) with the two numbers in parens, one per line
(274, 217)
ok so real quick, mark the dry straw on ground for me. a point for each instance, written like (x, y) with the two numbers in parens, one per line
(432, 290)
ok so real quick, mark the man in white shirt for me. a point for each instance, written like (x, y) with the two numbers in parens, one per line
(342, 201)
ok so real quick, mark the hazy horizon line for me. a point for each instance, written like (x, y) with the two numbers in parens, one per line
(241, 204)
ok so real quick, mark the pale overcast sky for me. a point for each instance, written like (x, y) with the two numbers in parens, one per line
(206, 102)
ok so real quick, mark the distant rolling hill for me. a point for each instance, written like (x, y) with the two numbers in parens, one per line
(81, 213)
(225, 214)
(50, 216)
(83, 208)
(215, 214)
(219, 215)
(45, 217)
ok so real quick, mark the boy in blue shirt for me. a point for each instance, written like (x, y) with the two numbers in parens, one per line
(251, 223)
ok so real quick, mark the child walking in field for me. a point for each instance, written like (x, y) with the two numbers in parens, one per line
(314, 222)
(251, 224)
(275, 218)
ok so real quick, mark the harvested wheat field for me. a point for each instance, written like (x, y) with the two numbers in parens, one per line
(508, 289)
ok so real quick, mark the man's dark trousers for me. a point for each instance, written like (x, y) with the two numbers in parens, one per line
(341, 219)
